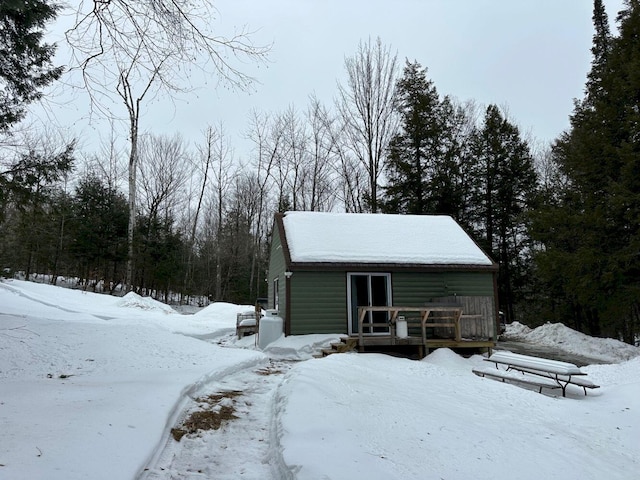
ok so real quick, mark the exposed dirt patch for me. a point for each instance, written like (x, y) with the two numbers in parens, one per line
(215, 410)
(270, 370)
(62, 375)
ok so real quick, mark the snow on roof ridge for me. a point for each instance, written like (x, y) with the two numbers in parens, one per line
(379, 238)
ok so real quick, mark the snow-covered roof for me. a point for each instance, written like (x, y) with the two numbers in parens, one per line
(379, 239)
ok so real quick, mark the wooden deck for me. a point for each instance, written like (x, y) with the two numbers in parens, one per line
(431, 318)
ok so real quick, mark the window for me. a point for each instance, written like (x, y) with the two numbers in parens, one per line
(276, 294)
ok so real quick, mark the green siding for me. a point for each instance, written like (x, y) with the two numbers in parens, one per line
(319, 299)
(276, 270)
(318, 302)
(415, 288)
(469, 283)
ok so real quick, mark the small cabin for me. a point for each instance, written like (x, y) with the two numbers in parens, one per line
(361, 274)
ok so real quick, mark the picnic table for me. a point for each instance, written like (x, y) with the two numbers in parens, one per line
(539, 372)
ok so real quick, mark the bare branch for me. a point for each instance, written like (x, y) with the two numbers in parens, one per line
(164, 38)
(366, 108)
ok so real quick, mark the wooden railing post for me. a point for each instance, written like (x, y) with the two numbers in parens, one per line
(361, 314)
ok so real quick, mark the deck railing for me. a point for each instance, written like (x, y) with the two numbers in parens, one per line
(450, 318)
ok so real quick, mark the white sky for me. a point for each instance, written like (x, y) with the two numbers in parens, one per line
(531, 57)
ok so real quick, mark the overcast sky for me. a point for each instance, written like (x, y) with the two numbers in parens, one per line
(530, 56)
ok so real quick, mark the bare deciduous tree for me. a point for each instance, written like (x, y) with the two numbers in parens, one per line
(267, 145)
(365, 105)
(202, 166)
(143, 49)
(350, 184)
(291, 165)
(163, 175)
(320, 179)
(108, 164)
(223, 177)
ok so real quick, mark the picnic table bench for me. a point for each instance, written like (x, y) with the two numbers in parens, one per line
(539, 372)
(246, 323)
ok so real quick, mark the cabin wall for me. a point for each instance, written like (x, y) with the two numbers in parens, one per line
(473, 290)
(318, 302)
(319, 298)
(416, 288)
(276, 270)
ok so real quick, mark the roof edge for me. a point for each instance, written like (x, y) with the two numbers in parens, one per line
(392, 266)
(278, 217)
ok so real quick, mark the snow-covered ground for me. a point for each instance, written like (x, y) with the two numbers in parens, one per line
(606, 350)
(91, 387)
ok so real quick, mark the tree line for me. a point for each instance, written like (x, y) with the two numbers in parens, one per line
(561, 222)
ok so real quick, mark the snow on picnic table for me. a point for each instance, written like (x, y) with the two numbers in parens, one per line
(91, 384)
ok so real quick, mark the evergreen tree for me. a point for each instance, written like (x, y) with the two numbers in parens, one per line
(449, 186)
(504, 183)
(99, 227)
(600, 50)
(27, 191)
(30, 233)
(598, 214)
(159, 248)
(412, 150)
(60, 261)
(423, 167)
(36, 170)
(25, 61)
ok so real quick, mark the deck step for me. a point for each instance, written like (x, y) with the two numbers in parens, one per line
(346, 344)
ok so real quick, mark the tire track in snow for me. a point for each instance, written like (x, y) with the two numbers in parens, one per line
(245, 447)
(37, 299)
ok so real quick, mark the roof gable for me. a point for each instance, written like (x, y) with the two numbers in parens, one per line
(321, 237)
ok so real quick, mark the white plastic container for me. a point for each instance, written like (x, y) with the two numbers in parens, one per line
(271, 328)
(402, 331)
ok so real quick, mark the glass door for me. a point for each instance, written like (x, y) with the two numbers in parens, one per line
(367, 290)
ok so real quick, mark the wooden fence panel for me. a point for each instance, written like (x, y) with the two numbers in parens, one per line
(478, 316)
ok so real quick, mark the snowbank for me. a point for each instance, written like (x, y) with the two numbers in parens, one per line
(90, 395)
(378, 417)
(560, 336)
(299, 347)
(133, 300)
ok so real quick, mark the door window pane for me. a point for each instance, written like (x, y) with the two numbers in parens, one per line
(369, 289)
(379, 298)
